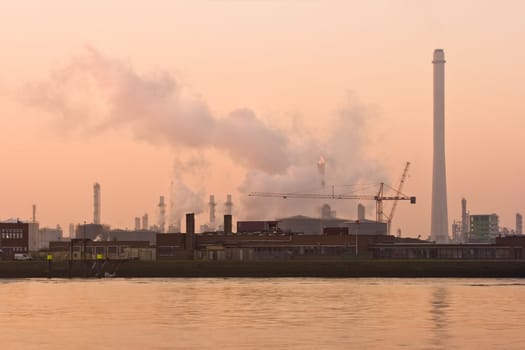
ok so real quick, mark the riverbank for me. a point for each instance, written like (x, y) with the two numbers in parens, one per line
(288, 268)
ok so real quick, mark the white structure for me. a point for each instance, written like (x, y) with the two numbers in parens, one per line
(212, 206)
(439, 220)
(96, 203)
(361, 212)
(33, 236)
(145, 223)
(464, 220)
(137, 223)
(49, 235)
(162, 215)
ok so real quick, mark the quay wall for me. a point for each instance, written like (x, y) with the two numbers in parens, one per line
(289, 268)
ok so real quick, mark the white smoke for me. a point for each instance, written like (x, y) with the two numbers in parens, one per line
(93, 93)
(184, 200)
(345, 153)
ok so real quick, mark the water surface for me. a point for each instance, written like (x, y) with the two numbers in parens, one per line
(294, 313)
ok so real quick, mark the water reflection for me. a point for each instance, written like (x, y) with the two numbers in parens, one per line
(439, 308)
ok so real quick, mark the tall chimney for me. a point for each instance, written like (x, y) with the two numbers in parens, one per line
(227, 223)
(34, 212)
(361, 214)
(96, 203)
(162, 215)
(439, 220)
(190, 231)
(212, 205)
(464, 220)
(190, 223)
(228, 205)
(519, 224)
(145, 223)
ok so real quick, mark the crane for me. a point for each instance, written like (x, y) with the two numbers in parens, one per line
(398, 191)
(379, 197)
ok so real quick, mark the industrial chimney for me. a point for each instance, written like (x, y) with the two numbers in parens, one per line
(96, 203)
(145, 223)
(228, 205)
(34, 212)
(162, 215)
(227, 224)
(212, 205)
(361, 213)
(439, 220)
(464, 220)
(190, 230)
(519, 224)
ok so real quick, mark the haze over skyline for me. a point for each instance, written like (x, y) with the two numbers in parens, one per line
(88, 94)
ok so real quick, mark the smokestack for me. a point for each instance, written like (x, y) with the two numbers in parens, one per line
(519, 224)
(227, 224)
(190, 223)
(145, 224)
(162, 215)
(190, 230)
(96, 203)
(464, 220)
(212, 205)
(439, 220)
(137, 223)
(361, 213)
(321, 165)
(34, 212)
(228, 205)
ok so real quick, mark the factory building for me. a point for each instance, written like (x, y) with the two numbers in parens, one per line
(14, 238)
(317, 226)
(47, 235)
(483, 228)
(112, 250)
(104, 233)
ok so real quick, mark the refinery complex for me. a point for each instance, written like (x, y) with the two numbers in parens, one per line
(471, 236)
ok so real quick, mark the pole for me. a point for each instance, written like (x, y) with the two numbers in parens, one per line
(356, 232)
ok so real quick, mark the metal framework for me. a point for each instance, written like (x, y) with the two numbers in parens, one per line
(379, 197)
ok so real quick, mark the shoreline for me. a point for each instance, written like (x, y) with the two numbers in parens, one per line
(264, 269)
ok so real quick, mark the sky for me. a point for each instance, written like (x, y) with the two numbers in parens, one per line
(223, 97)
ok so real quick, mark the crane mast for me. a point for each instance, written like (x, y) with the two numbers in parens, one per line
(398, 191)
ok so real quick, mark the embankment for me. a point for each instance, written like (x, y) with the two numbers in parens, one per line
(289, 268)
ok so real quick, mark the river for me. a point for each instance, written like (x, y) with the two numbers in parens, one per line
(288, 313)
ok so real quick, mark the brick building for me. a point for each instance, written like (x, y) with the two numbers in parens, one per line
(14, 238)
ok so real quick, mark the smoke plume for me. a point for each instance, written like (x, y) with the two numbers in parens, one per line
(345, 163)
(93, 93)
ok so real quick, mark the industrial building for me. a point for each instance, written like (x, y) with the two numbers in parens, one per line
(14, 238)
(97, 232)
(483, 228)
(47, 235)
(85, 249)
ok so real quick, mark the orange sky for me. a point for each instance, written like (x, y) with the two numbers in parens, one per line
(294, 64)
